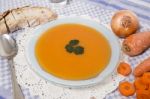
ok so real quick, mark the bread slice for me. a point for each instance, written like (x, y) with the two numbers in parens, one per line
(19, 16)
(3, 28)
(38, 15)
(11, 23)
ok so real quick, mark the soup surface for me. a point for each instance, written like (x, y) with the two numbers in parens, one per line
(53, 58)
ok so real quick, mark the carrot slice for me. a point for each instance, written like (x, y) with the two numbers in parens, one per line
(139, 85)
(124, 69)
(143, 94)
(126, 88)
(146, 78)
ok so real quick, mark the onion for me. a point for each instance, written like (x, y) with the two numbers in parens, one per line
(124, 23)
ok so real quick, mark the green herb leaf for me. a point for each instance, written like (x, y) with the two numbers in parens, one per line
(78, 50)
(73, 42)
(69, 48)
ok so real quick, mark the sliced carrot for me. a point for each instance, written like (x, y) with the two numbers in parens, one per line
(139, 85)
(143, 94)
(126, 88)
(146, 78)
(124, 69)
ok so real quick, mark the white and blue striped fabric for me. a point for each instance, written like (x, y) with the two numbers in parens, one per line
(140, 7)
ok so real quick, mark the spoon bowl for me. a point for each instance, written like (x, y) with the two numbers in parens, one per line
(8, 46)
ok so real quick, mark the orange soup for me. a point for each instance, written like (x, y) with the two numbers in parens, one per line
(53, 57)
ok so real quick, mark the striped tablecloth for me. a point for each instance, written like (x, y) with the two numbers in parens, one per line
(140, 7)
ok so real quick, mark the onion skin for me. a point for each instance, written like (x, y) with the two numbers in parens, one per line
(124, 23)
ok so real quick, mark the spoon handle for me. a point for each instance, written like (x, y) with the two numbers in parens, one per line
(17, 93)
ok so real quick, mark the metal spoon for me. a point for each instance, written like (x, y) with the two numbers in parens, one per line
(8, 49)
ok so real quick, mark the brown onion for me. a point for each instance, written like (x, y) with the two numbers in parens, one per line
(124, 23)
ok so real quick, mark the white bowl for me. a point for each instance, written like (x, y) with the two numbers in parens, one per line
(112, 39)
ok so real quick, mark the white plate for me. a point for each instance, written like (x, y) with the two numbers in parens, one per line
(115, 56)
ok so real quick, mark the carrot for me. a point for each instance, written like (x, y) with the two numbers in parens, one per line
(143, 94)
(139, 85)
(126, 88)
(146, 78)
(124, 69)
(137, 43)
(142, 67)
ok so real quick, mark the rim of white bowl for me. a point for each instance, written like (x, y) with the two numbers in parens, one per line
(107, 33)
